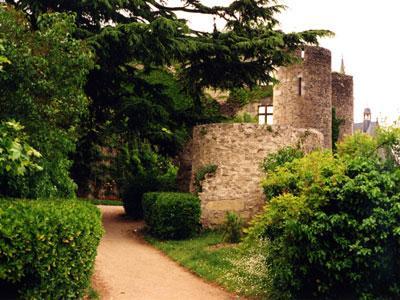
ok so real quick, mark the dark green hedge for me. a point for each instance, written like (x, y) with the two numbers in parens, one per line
(171, 215)
(48, 248)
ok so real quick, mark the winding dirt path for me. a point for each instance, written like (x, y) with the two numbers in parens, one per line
(129, 268)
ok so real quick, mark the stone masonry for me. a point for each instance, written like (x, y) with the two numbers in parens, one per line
(303, 97)
(343, 101)
(238, 150)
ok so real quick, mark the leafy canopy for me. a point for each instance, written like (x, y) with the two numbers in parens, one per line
(16, 155)
(42, 88)
(132, 39)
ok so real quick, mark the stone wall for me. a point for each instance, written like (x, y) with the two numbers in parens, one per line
(238, 150)
(184, 162)
(343, 101)
(312, 108)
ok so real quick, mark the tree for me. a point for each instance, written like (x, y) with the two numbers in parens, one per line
(143, 35)
(133, 38)
(16, 155)
(42, 88)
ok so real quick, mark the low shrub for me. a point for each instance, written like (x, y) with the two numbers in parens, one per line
(171, 215)
(332, 225)
(279, 158)
(48, 248)
(140, 169)
(232, 228)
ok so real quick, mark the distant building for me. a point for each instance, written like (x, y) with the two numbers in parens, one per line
(367, 126)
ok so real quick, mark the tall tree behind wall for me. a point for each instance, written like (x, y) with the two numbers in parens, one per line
(133, 37)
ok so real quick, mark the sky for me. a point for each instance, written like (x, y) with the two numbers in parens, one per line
(366, 35)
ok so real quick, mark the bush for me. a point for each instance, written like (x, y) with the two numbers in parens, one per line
(284, 155)
(141, 170)
(332, 225)
(16, 155)
(171, 215)
(48, 248)
(232, 228)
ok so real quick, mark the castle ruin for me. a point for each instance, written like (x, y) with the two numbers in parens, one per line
(300, 114)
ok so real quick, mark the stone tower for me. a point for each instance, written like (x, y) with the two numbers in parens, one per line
(367, 119)
(343, 102)
(303, 98)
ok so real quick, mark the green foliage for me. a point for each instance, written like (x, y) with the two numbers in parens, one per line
(201, 175)
(336, 123)
(279, 158)
(331, 224)
(3, 60)
(232, 228)
(150, 32)
(358, 145)
(244, 118)
(48, 248)
(162, 117)
(42, 88)
(243, 96)
(141, 169)
(148, 36)
(171, 215)
(16, 155)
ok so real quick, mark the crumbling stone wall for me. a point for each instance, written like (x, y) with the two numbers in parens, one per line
(343, 101)
(238, 151)
(312, 107)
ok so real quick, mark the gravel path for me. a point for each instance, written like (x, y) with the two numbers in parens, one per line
(129, 268)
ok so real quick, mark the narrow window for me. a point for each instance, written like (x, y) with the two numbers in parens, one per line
(303, 54)
(300, 86)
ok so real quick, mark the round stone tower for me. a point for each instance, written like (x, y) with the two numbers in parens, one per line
(303, 98)
(343, 102)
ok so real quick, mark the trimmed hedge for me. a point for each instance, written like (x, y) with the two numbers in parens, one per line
(48, 248)
(171, 215)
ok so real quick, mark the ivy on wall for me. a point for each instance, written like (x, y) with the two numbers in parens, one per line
(201, 175)
(336, 123)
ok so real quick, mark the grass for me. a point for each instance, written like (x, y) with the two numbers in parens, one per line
(92, 294)
(103, 202)
(237, 270)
